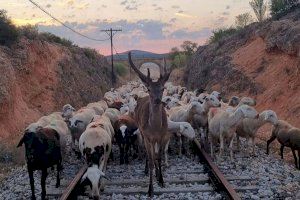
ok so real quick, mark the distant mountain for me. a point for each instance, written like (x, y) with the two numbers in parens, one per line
(138, 54)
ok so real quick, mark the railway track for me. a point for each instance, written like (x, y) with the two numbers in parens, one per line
(185, 178)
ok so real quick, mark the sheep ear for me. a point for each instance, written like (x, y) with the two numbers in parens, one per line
(21, 142)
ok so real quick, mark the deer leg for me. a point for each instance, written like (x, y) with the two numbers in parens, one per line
(151, 167)
(281, 151)
(31, 178)
(295, 157)
(269, 142)
(43, 183)
(161, 179)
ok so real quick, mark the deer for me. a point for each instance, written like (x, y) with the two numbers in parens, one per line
(151, 119)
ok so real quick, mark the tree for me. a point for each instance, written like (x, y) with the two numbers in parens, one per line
(243, 20)
(8, 32)
(174, 52)
(259, 7)
(280, 6)
(189, 47)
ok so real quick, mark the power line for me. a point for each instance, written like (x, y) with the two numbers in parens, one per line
(111, 32)
(62, 23)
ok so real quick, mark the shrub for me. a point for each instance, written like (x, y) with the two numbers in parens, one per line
(8, 32)
(53, 38)
(179, 60)
(90, 53)
(121, 69)
(29, 31)
(278, 7)
(221, 33)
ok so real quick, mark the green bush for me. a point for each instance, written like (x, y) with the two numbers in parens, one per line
(278, 7)
(90, 53)
(8, 32)
(121, 69)
(180, 60)
(29, 31)
(221, 33)
(53, 38)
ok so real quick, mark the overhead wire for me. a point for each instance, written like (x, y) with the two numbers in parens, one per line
(62, 23)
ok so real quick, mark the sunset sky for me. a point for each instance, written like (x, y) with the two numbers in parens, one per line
(152, 25)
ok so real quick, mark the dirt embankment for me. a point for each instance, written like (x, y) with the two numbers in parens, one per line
(261, 61)
(38, 77)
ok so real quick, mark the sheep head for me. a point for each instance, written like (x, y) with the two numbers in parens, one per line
(248, 112)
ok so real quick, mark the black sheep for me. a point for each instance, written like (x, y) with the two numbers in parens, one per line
(42, 151)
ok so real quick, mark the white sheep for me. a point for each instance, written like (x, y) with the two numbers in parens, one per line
(179, 129)
(67, 111)
(248, 127)
(223, 126)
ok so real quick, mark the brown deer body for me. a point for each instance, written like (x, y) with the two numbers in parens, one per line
(151, 118)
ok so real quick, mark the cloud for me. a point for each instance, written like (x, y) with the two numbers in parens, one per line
(176, 7)
(173, 20)
(181, 14)
(225, 13)
(186, 34)
(220, 21)
(124, 2)
(158, 9)
(70, 2)
(48, 5)
(104, 6)
(227, 7)
(154, 5)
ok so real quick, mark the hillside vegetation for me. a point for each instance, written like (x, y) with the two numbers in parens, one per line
(261, 60)
(40, 72)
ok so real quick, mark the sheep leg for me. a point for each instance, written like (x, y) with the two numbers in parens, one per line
(121, 147)
(43, 183)
(273, 137)
(298, 159)
(166, 153)
(295, 157)
(30, 172)
(221, 146)
(58, 168)
(126, 156)
(180, 146)
(211, 147)
(238, 142)
(281, 151)
(231, 148)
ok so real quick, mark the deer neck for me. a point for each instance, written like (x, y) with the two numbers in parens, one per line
(155, 115)
(235, 118)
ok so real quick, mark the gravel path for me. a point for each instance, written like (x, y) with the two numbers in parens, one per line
(273, 177)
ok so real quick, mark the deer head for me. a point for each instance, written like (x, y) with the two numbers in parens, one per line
(155, 88)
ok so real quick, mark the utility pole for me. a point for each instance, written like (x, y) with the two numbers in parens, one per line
(111, 32)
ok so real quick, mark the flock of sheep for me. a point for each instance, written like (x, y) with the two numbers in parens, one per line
(144, 117)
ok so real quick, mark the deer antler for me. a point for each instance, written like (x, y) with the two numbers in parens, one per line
(139, 73)
(164, 78)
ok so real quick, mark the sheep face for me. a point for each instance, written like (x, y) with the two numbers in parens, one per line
(74, 123)
(248, 112)
(270, 116)
(31, 142)
(68, 111)
(217, 95)
(213, 101)
(234, 101)
(92, 177)
(248, 101)
(187, 130)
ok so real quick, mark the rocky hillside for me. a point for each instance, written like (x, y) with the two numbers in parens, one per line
(38, 77)
(261, 61)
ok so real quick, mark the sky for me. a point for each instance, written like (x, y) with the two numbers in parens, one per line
(151, 25)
